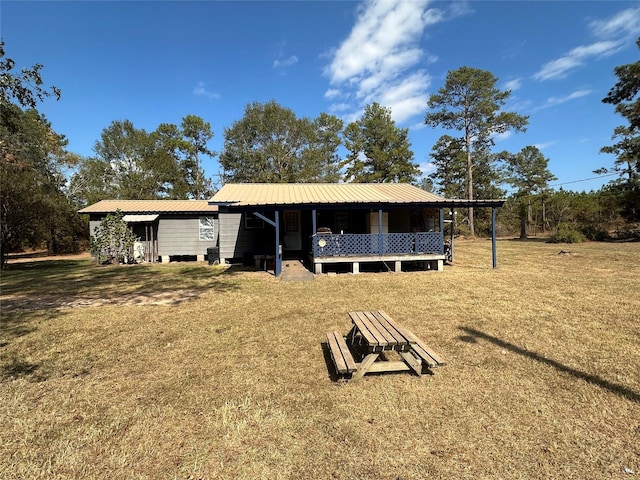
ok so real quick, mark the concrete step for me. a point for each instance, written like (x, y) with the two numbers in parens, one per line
(295, 271)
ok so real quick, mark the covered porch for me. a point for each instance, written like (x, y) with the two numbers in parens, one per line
(417, 235)
(329, 224)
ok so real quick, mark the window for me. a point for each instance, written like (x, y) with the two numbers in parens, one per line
(206, 228)
(251, 221)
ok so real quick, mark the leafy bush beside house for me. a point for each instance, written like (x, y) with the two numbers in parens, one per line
(112, 241)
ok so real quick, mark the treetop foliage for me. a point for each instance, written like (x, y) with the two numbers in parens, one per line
(25, 88)
(470, 103)
(379, 151)
(33, 207)
(625, 96)
(134, 164)
(270, 144)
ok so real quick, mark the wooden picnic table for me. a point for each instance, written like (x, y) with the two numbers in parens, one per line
(372, 334)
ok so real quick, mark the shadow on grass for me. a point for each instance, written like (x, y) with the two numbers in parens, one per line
(51, 284)
(18, 369)
(472, 336)
(331, 368)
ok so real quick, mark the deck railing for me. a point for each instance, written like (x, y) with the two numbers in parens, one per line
(351, 244)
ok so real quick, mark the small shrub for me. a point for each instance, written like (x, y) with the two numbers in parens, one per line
(598, 235)
(112, 240)
(566, 234)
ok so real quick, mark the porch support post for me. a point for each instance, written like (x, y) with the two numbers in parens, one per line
(493, 237)
(380, 241)
(452, 225)
(314, 221)
(441, 211)
(278, 268)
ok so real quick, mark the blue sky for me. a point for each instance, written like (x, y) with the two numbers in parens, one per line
(154, 62)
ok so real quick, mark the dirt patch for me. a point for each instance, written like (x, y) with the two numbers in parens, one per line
(47, 302)
(42, 257)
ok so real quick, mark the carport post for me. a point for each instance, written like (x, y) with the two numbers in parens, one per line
(493, 237)
(452, 227)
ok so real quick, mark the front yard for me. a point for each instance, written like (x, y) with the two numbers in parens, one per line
(188, 371)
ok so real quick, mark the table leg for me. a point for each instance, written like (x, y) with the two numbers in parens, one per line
(363, 367)
(412, 361)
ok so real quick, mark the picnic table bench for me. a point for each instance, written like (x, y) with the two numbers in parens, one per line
(372, 334)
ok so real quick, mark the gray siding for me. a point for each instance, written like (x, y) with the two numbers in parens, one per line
(92, 226)
(234, 239)
(181, 236)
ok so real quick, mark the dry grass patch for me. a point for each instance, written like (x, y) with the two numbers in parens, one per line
(232, 382)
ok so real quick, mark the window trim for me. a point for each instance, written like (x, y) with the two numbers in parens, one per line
(205, 229)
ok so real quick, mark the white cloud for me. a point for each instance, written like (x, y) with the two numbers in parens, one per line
(332, 93)
(386, 32)
(560, 67)
(614, 33)
(625, 23)
(407, 97)
(201, 91)
(339, 107)
(377, 61)
(542, 146)
(287, 62)
(427, 167)
(513, 85)
(500, 137)
(552, 101)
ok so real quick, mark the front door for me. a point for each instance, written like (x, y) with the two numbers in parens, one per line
(292, 230)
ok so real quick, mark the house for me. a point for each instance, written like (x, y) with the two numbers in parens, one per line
(164, 229)
(324, 224)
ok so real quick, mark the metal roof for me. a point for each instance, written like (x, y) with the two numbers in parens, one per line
(151, 206)
(282, 194)
(255, 194)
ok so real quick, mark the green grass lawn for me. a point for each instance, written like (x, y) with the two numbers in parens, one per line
(186, 371)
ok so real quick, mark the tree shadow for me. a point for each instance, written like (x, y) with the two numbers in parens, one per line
(18, 369)
(51, 284)
(621, 390)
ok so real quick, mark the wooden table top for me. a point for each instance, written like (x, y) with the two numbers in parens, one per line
(380, 331)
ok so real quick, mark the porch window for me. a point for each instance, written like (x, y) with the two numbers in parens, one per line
(251, 221)
(206, 228)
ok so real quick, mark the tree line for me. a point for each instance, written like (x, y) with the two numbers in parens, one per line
(43, 185)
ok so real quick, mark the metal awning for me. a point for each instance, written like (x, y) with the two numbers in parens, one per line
(140, 218)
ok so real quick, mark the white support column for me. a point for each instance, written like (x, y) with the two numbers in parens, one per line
(200, 258)
(164, 259)
(398, 266)
(356, 267)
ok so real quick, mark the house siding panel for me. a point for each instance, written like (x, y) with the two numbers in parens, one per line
(181, 236)
(235, 241)
(93, 224)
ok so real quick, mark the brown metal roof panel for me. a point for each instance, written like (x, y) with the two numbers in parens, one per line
(287, 194)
